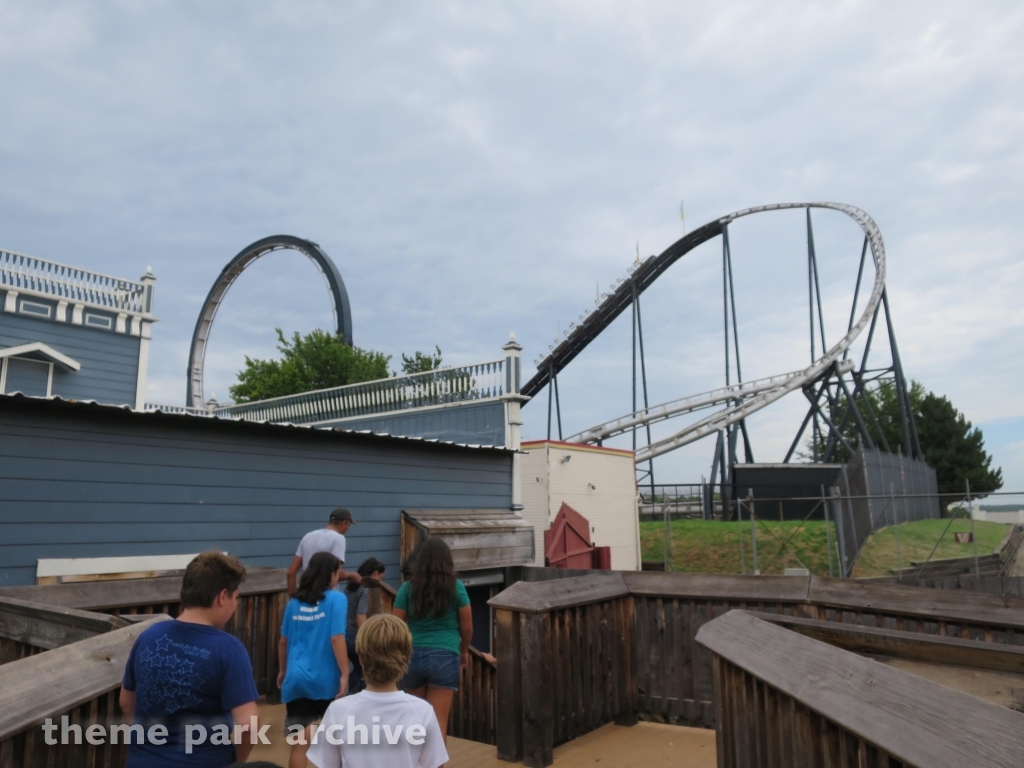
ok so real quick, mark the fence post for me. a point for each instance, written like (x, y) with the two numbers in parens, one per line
(828, 532)
(753, 528)
(970, 511)
(844, 566)
(896, 528)
(538, 735)
(668, 533)
(509, 704)
(739, 519)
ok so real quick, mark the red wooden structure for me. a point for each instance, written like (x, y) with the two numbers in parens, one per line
(567, 543)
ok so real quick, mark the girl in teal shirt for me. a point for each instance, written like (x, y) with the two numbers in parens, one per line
(436, 607)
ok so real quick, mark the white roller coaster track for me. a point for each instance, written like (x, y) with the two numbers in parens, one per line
(750, 397)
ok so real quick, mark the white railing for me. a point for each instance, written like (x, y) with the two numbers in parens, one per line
(59, 281)
(440, 387)
(178, 409)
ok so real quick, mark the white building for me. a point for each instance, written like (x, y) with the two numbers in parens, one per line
(599, 483)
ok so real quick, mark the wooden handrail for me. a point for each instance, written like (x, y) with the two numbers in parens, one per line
(930, 604)
(102, 595)
(543, 596)
(546, 627)
(904, 716)
(839, 594)
(46, 626)
(915, 646)
(47, 684)
(708, 586)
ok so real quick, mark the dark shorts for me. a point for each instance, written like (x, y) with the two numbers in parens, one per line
(432, 666)
(305, 711)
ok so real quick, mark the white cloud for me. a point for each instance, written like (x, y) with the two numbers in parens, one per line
(475, 169)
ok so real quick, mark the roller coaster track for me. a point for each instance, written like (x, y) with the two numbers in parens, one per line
(741, 400)
(673, 408)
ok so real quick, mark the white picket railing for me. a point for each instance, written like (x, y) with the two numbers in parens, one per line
(59, 281)
(178, 409)
(439, 387)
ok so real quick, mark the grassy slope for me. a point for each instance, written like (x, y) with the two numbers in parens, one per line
(917, 539)
(701, 546)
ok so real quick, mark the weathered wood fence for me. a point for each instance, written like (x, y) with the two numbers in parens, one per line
(257, 622)
(784, 699)
(576, 653)
(80, 681)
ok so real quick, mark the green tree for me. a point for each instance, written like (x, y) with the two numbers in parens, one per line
(950, 443)
(421, 362)
(318, 360)
(954, 447)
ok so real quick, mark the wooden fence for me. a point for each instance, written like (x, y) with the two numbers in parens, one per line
(784, 699)
(59, 659)
(80, 681)
(257, 621)
(576, 653)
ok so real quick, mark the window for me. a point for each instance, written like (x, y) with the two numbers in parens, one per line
(30, 377)
(35, 308)
(99, 321)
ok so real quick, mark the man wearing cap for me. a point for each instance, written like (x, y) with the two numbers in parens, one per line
(330, 539)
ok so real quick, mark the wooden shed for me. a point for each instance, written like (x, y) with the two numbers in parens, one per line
(479, 538)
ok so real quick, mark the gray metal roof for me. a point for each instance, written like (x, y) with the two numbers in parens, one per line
(91, 406)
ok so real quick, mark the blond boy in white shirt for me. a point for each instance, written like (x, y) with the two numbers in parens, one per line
(380, 727)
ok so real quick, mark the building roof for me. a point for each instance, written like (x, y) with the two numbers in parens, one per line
(19, 402)
(45, 351)
(528, 444)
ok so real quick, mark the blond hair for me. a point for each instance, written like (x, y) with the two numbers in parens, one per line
(384, 645)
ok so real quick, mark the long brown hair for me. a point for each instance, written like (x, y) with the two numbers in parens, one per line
(316, 579)
(432, 580)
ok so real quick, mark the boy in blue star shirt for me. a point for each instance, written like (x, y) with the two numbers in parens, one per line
(192, 677)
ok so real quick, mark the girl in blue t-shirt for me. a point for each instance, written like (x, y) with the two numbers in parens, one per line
(311, 652)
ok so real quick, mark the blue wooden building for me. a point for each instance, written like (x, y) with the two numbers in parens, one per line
(87, 480)
(72, 333)
(89, 470)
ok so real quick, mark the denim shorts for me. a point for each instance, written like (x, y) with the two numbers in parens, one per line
(432, 666)
(305, 712)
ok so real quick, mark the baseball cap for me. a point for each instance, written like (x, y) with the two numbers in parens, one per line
(340, 515)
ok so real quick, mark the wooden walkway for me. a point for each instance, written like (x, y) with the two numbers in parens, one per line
(645, 745)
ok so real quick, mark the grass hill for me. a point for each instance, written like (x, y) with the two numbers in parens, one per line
(879, 555)
(706, 546)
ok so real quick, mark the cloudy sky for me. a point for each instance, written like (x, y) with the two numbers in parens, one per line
(478, 168)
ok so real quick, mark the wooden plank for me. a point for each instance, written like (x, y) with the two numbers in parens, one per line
(543, 596)
(56, 681)
(95, 595)
(627, 682)
(708, 586)
(538, 711)
(509, 733)
(910, 718)
(916, 646)
(45, 626)
(973, 607)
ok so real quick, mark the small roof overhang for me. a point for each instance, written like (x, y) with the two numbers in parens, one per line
(39, 350)
(478, 538)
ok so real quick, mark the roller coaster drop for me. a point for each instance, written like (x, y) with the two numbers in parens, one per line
(823, 382)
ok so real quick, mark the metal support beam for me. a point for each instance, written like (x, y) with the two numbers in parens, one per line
(558, 406)
(803, 426)
(817, 407)
(902, 396)
(817, 283)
